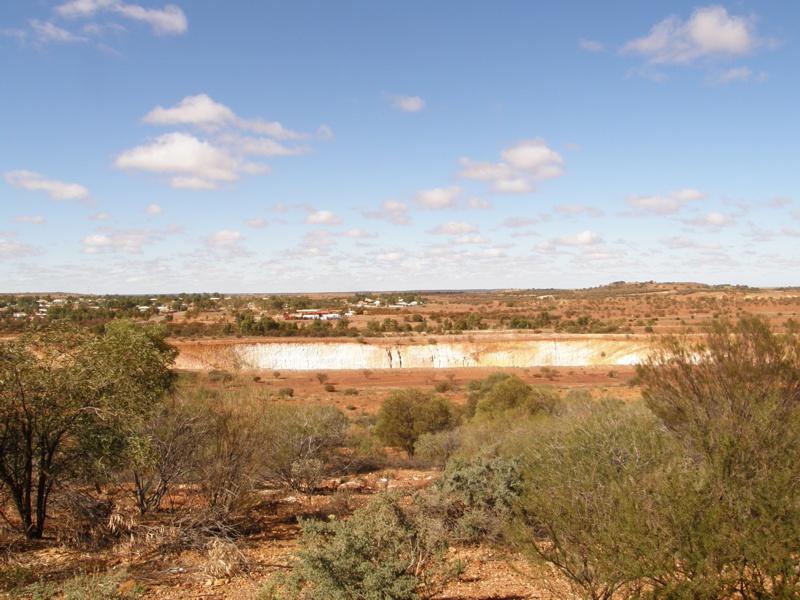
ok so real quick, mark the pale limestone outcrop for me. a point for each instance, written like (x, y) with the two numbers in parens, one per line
(382, 354)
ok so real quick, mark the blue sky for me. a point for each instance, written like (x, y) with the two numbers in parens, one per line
(236, 146)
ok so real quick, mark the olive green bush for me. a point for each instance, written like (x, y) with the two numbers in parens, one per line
(407, 414)
(387, 550)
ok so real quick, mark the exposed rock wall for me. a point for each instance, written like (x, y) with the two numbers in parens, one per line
(312, 356)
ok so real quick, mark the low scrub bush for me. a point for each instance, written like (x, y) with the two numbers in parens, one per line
(386, 550)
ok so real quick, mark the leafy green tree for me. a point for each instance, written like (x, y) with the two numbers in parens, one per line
(67, 400)
(407, 414)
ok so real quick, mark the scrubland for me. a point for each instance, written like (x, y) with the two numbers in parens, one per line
(675, 478)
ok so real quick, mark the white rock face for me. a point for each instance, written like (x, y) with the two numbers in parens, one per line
(313, 356)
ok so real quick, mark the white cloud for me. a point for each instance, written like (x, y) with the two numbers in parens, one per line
(10, 247)
(534, 157)
(438, 198)
(359, 234)
(57, 190)
(408, 103)
(125, 241)
(323, 217)
(742, 74)
(37, 220)
(591, 45)
(573, 210)
(224, 239)
(191, 163)
(469, 239)
(169, 20)
(391, 210)
(200, 111)
(262, 146)
(584, 238)
(662, 205)
(44, 33)
(453, 228)
(99, 216)
(712, 220)
(256, 223)
(710, 33)
(515, 222)
(523, 164)
(680, 243)
(202, 164)
(325, 133)
(512, 186)
(479, 204)
(780, 202)
(314, 244)
(153, 209)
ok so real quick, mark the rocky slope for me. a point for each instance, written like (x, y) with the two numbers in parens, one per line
(558, 351)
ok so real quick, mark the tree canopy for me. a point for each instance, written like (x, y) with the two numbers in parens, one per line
(67, 400)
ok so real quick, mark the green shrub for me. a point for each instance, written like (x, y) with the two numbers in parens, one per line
(475, 497)
(384, 551)
(330, 388)
(220, 376)
(405, 415)
(438, 446)
(350, 392)
(299, 443)
(285, 392)
(593, 490)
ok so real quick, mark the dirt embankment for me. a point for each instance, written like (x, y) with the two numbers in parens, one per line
(516, 352)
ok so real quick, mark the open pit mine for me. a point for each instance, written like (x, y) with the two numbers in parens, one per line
(375, 353)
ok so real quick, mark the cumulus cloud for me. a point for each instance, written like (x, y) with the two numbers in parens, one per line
(453, 228)
(664, 205)
(220, 156)
(521, 166)
(584, 238)
(57, 190)
(224, 239)
(359, 234)
(153, 209)
(479, 204)
(516, 222)
(199, 110)
(10, 247)
(711, 220)
(314, 244)
(408, 103)
(390, 210)
(573, 210)
(323, 217)
(37, 220)
(99, 216)
(169, 20)
(710, 34)
(438, 198)
(256, 223)
(681, 243)
(190, 162)
(125, 241)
